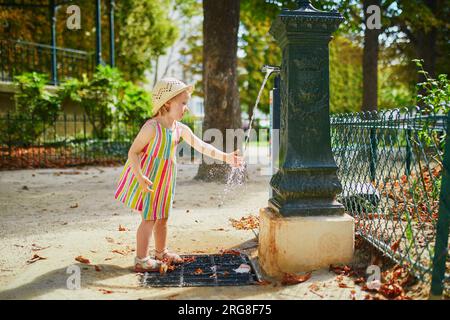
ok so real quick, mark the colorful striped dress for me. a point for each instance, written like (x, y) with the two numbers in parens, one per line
(158, 163)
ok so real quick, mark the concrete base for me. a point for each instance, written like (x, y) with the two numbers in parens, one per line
(299, 244)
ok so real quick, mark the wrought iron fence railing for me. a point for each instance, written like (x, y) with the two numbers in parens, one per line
(27, 142)
(18, 56)
(391, 166)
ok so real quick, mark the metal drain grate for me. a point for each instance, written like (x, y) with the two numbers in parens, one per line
(205, 270)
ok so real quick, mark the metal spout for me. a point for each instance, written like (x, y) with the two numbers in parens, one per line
(270, 69)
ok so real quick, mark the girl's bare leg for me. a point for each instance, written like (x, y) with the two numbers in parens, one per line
(160, 234)
(143, 235)
(161, 241)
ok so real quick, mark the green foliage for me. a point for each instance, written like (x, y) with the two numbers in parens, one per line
(345, 76)
(133, 104)
(437, 91)
(255, 42)
(105, 93)
(36, 108)
(96, 96)
(145, 32)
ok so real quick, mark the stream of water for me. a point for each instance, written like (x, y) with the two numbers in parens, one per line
(237, 175)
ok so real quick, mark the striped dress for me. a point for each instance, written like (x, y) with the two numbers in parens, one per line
(158, 163)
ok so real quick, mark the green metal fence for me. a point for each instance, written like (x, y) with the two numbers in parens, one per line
(63, 141)
(17, 57)
(396, 186)
(67, 140)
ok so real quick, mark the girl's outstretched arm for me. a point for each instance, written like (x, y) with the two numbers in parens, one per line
(145, 135)
(231, 158)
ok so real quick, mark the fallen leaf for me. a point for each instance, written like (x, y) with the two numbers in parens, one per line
(233, 252)
(104, 291)
(122, 228)
(359, 280)
(35, 258)
(97, 268)
(74, 206)
(291, 278)
(391, 290)
(198, 271)
(122, 252)
(246, 223)
(82, 260)
(163, 268)
(188, 259)
(395, 245)
(342, 285)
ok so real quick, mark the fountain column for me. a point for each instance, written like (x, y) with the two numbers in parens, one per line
(304, 227)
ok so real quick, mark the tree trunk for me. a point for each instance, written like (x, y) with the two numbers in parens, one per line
(222, 109)
(426, 44)
(370, 62)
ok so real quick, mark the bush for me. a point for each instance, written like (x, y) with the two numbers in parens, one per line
(36, 109)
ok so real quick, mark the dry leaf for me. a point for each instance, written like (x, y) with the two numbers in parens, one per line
(198, 271)
(82, 260)
(233, 252)
(291, 278)
(391, 290)
(359, 280)
(395, 245)
(163, 268)
(97, 268)
(35, 258)
(246, 223)
(188, 259)
(74, 206)
(122, 252)
(122, 228)
(104, 291)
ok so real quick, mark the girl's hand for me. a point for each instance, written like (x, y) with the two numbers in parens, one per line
(145, 184)
(234, 159)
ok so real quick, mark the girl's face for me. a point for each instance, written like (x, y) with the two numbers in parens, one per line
(178, 106)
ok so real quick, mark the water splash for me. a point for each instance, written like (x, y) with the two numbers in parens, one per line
(237, 175)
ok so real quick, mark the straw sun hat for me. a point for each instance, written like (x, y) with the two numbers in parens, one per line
(167, 88)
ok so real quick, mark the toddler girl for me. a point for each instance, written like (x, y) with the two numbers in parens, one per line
(147, 182)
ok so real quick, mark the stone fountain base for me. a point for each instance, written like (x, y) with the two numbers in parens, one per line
(299, 244)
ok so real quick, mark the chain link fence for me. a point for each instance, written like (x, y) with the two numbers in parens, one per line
(394, 174)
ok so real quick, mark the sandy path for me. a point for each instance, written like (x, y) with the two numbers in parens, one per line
(72, 212)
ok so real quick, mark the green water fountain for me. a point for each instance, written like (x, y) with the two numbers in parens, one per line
(304, 227)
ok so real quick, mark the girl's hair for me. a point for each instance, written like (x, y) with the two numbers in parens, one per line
(162, 111)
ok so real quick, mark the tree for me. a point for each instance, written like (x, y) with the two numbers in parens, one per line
(370, 55)
(144, 30)
(222, 110)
